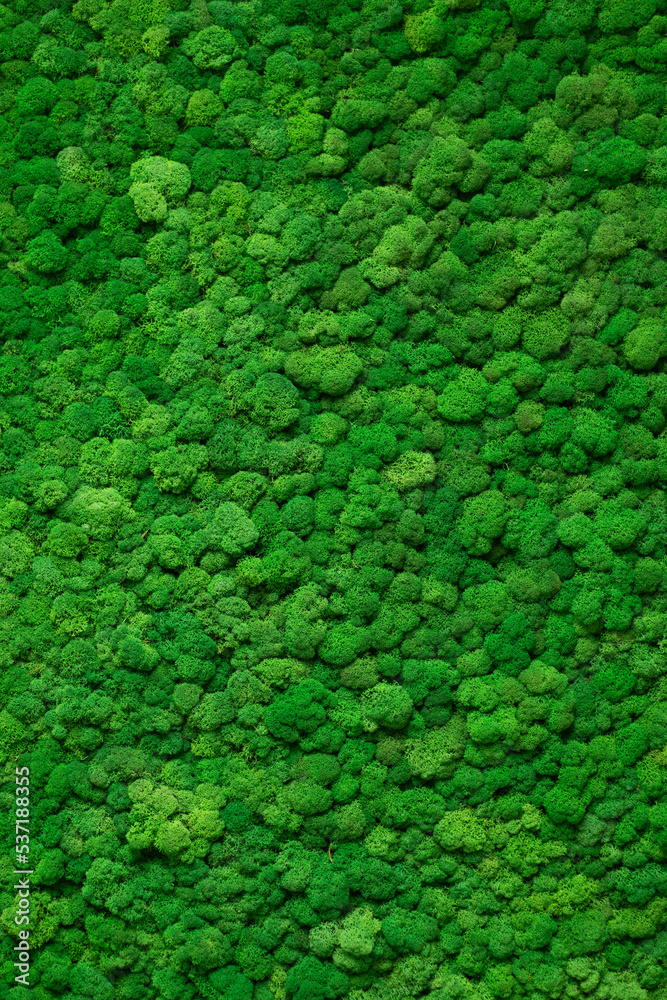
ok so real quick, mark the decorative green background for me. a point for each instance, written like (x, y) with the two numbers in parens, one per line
(333, 391)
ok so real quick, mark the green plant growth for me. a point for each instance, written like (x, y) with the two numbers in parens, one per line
(333, 511)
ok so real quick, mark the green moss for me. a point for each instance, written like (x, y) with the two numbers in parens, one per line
(331, 497)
